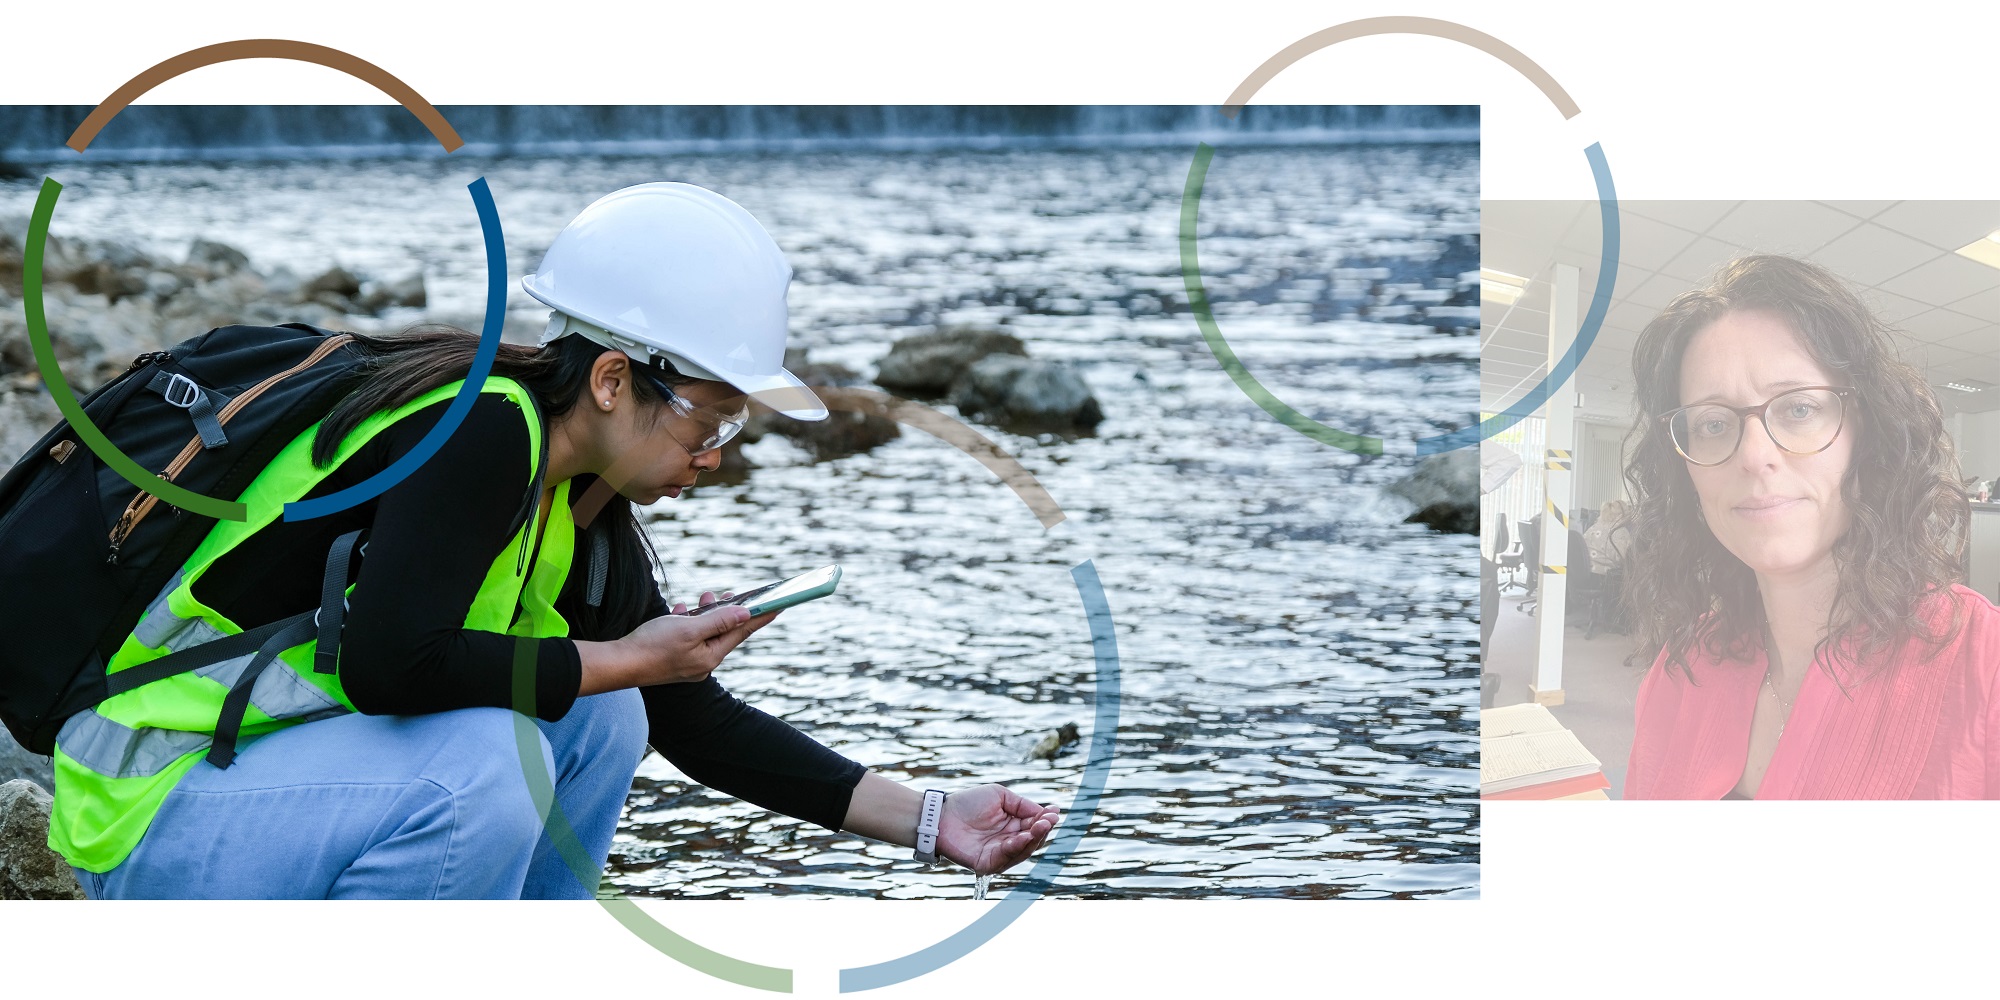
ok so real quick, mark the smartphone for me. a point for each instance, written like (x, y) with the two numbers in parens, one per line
(783, 594)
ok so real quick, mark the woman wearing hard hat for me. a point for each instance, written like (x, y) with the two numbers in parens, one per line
(408, 778)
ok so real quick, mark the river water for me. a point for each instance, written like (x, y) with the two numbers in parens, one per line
(1298, 669)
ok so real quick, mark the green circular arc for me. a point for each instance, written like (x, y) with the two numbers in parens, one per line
(1204, 317)
(66, 401)
(1097, 614)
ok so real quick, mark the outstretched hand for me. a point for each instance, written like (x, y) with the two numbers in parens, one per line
(990, 829)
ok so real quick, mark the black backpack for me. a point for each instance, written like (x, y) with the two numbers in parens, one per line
(83, 552)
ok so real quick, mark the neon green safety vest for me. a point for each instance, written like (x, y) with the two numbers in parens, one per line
(115, 764)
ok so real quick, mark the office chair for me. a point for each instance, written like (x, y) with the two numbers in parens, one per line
(1509, 560)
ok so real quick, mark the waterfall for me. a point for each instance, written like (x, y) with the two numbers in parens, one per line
(171, 132)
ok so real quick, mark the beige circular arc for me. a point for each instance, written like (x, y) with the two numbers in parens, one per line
(924, 418)
(1401, 26)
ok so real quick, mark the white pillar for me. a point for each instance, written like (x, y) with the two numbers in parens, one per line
(1559, 492)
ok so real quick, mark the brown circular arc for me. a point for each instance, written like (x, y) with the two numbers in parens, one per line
(264, 48)
(1401, 26)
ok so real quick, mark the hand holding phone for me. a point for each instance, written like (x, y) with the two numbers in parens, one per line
(781, 595)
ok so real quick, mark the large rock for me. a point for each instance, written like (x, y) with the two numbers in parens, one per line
(17, 763)
(28, 869)
(1026, 392)
(217, 258)
(928, 363)
(406, 293)
(849, 427)
(1445, 489)
(337, 280)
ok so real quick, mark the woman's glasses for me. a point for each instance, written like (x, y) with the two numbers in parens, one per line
(702, 428)
(1802, 421)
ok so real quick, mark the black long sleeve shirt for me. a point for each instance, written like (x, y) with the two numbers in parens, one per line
(405, 649)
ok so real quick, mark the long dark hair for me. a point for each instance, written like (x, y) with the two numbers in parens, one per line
(401, 368)
(1909, 522)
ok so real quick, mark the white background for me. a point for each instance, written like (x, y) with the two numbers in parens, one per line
(1690, 100)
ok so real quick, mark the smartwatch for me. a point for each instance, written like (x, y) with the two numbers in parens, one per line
(927, 826)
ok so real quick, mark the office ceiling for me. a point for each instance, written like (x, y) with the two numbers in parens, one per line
(1898, 254)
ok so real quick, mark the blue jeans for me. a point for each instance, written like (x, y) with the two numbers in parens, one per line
(392, 807)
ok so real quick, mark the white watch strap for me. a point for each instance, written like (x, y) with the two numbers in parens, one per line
(927, 826)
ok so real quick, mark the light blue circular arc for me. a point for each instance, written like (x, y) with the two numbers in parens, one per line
(1096, 771)
(461, 404)
(1586, 333)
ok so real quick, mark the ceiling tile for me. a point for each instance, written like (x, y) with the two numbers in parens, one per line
(1695, 216)
(1531, 321)
(1794, 227)
(1985, 369)
(1629, 277)
(1629, 315)
(1891, 308)
(1939, 325)
(1585, 238)
(1860, 209)
(1534, 226)
(1492, 312)
(1871, 255)
(1502, 379)
(1515, 345)
(1657, 291)
(1945, 278)
(1946, 225)
(1984, 305)
(1503, 374)
(1649, 244)
(1611, 338)
(1701, 259)
(1984, 340)
(1931, 357)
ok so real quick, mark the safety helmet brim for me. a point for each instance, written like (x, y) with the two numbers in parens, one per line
(781, 390)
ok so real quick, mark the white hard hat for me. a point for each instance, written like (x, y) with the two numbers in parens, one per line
(677, 272)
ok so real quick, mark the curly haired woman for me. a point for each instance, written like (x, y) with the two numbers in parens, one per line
(1799, 579)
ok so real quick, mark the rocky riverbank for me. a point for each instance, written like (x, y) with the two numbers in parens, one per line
(108, 302)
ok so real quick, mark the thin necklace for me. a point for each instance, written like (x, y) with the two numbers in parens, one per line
(1785, 707)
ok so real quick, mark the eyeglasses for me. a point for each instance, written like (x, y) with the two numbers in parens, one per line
(1802, 421)
(706, 427)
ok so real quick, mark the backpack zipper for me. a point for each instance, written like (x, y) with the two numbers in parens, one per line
(143, 503)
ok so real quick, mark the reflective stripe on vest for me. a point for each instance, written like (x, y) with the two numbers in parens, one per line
(115, 764)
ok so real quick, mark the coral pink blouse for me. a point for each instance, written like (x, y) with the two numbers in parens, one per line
(1927, 727)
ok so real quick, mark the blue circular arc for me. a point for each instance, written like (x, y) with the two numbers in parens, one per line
(461, 404)
(1586, 334)
(1076, 819)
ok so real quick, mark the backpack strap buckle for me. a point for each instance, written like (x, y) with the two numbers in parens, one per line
(181, 391)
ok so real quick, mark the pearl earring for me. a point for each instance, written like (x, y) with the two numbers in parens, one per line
(607, 404)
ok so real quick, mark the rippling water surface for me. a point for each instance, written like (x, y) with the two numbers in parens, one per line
(1298, 669)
